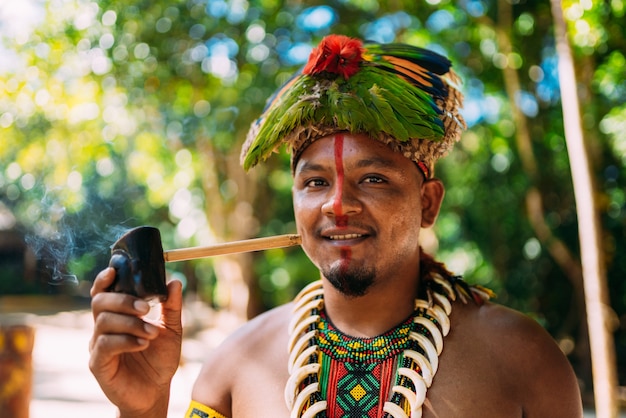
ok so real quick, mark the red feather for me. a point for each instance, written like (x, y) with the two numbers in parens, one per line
(336, 54)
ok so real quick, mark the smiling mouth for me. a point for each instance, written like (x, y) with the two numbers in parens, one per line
(344, 237)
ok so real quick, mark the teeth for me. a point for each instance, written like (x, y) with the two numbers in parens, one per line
(347, 236)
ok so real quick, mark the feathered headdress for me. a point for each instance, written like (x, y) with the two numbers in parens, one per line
(401, 95)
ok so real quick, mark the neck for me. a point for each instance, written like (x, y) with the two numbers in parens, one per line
(384, 306)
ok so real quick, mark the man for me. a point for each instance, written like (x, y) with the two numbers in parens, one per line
(387, 331)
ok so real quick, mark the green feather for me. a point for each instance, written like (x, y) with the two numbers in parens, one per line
(282, 115)
(385, 115)
(407, 110)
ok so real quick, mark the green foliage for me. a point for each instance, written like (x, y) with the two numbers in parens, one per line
(120, 113)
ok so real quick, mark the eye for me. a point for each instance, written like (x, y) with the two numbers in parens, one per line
(317, 182)
(373, 179)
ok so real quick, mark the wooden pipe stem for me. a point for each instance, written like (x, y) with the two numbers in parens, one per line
(244, 246)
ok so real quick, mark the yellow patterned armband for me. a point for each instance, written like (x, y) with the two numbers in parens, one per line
(197, 410)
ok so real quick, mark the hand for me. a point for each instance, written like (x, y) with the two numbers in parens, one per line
(132, 358)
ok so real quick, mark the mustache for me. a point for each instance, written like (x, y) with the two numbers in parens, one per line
(366, 229)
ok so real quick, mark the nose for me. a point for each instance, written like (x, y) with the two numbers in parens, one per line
(341, 201)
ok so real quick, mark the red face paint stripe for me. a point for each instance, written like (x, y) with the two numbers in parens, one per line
(346, 256)
(340, 219)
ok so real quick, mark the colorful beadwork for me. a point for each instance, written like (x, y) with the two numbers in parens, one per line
(359, 369)
(356, 391)
(345, 348)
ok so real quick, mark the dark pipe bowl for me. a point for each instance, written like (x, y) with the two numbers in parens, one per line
(137, 258)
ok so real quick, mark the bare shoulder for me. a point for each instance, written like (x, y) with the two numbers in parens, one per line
(259, 338)
(516, 335)
(529, 358)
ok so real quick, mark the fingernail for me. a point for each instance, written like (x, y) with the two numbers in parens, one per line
(150, 329)
(141, 306)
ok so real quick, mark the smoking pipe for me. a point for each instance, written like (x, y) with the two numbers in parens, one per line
(139, 259)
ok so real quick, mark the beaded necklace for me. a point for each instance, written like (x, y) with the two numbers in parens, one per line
(417, 344)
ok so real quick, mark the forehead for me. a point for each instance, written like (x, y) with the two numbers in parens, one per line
(352, 151)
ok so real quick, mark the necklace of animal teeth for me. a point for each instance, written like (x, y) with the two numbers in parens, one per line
(302, 391)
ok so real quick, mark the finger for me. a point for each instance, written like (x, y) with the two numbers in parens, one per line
(104, 348)
(103, 281)
(175, 295)
(172, 307)
(112, 324)
(118, 303)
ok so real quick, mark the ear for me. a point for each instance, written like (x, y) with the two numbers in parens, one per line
(432, 196)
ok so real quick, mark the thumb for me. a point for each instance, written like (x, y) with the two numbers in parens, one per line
(171, 309)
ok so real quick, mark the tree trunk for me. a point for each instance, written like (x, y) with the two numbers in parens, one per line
(595, 285)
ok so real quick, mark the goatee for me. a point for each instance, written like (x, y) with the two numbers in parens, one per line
(353, 281)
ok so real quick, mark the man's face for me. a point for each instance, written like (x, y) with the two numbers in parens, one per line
(359, 208)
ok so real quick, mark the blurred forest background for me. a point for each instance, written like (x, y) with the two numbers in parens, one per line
(120, 113)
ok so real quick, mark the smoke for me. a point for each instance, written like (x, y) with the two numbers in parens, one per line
(54, 245)
(62, 241)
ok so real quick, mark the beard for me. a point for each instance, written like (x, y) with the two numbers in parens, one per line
(352, 282)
